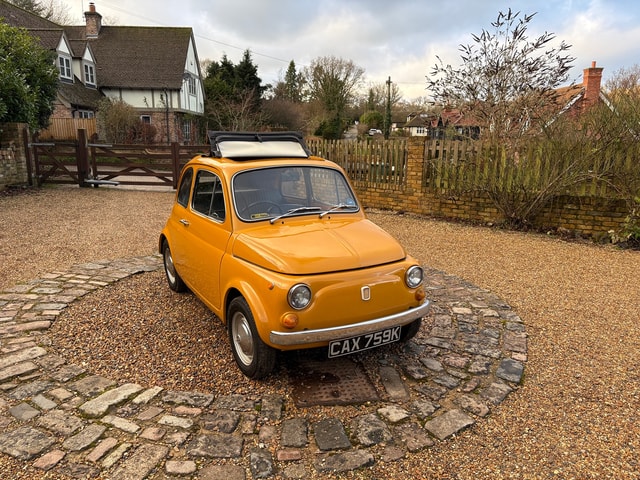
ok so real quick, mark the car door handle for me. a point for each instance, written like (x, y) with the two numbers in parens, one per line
(184, 222)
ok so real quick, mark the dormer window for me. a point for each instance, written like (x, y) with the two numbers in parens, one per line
(89, 75)
(64, 66)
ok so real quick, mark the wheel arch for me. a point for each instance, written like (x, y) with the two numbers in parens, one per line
(163, 238)
(246, 291)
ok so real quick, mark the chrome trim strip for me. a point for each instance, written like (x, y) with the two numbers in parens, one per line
(335, 333)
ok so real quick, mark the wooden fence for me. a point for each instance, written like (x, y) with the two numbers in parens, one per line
(66, 129)
(372, 163)
(454, 167)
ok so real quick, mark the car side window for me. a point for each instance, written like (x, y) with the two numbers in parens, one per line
(208, 198)
(185, 188)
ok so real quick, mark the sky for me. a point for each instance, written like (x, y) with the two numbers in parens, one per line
(397, 39)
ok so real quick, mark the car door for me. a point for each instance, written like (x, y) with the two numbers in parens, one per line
(205, 231)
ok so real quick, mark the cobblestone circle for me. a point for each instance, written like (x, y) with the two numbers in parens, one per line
(57, 416)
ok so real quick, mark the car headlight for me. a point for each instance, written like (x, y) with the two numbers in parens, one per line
(299, 296)
(414, 276)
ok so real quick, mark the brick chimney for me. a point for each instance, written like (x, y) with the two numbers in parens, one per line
(93, 21)
(591, 79)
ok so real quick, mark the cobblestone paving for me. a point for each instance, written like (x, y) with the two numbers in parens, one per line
(58, 416)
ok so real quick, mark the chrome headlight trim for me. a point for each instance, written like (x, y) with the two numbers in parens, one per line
(414, 276)
(299, 296)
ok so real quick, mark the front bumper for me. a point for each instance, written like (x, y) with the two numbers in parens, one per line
(335, 333)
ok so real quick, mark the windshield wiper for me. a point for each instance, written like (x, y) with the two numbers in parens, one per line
(294, 211)
(340, 206)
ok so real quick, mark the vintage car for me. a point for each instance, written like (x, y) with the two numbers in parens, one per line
(273, 240)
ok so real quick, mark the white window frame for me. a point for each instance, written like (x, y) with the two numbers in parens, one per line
(64, 67)
(89, 74)
(191, 86)
(84, 114)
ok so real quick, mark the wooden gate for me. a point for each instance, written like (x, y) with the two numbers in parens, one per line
(91, 164)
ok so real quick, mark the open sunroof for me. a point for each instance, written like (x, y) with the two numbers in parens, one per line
(249, 145)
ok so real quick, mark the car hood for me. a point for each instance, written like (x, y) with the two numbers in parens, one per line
(321, 247)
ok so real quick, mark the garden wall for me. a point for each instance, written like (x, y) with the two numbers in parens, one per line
(13, 159)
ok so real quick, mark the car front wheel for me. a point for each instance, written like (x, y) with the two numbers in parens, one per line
(173, 279)
(255, 358)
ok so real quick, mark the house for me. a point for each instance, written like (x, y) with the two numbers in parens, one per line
(154, 69)
(566, 100)
(577, 98)
(75, 99)
(435, 126)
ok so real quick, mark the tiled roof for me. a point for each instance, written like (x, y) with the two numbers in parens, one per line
(138, 57)
(49, 37)
(77, 95)
(17, 17)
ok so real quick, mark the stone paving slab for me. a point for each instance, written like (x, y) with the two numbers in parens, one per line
(58, 417)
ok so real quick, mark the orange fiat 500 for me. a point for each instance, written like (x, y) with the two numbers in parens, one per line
(275, 243)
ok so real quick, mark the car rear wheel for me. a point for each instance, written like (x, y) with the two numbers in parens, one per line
(410, 330)
(255, 358)
(173, 279)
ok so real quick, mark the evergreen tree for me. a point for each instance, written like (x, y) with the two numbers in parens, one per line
(293, 83)
(28, 79)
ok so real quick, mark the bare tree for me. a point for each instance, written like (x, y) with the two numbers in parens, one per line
(618, 124)
(506, 81)
(333, 82)
(53, 10)
(237, 114)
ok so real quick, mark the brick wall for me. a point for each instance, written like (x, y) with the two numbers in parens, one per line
(13, 161)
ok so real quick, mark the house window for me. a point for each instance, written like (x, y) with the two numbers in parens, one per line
(186, 130)
(84, 114)
(89, 74)
(420, 130)
(145, 119)
(64, 65)
(192, 86)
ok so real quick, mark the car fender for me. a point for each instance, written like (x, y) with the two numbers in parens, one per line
(246, 284)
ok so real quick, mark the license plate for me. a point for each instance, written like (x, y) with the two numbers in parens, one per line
(347, 346)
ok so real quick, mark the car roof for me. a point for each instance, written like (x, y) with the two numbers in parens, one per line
(233, 152)
(240, 146)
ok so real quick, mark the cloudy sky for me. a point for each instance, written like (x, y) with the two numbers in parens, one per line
(388, 38)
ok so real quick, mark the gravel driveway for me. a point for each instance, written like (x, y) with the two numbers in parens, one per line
(577, 412)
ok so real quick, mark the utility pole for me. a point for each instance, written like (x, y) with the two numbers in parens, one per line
(387, 116)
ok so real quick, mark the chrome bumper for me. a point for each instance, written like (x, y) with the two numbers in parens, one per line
(347, 331)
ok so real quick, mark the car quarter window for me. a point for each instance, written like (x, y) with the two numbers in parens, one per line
(208, 198)
(185, 187)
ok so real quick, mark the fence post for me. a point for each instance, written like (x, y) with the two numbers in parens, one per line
(27, 155)
(81, 158)
(175, 163)
(415, 165)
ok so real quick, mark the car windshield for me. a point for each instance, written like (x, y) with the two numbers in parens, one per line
(267, 193)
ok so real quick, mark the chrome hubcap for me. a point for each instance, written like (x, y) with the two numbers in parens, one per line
(242, 338)
(168, 266)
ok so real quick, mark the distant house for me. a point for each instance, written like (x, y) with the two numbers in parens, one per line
(435, 126)
(576, 98)
(154, 69)
(568, 100)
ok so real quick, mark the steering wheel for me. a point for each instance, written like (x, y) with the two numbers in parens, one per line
(272, 207)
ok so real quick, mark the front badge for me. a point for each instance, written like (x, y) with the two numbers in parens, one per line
(365, 293)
